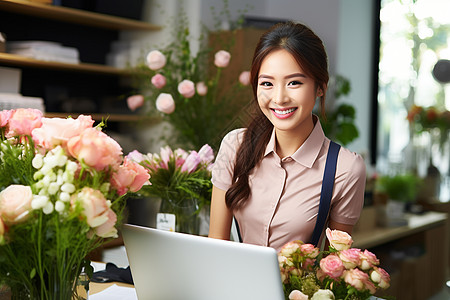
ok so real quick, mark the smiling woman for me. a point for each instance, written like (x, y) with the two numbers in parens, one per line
(269, 175)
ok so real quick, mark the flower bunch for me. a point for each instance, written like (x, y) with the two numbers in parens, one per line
(62, 189)
(429, 118)
(188, 90)
(178, 174)
(341, 272)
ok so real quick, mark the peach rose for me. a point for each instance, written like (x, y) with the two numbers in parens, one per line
(359, 280)
(94, 204)
(57, 131)
(309, 250)
(350, 257)
(135, 101)
(4, 117)
(380, 277)
(130, 176)
(186, 88)
(244, 78)
(108, 228)
(15, 203)
(368, 260)
(202, 89)
(159, 81)
(23, 121)
(96, 149)
(289, 248)
(222, 58)
(297, 295)
(340, 240)
(156, 60)
(332, 266)
(165, 103)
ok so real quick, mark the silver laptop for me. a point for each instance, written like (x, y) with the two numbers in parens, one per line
(169, 266)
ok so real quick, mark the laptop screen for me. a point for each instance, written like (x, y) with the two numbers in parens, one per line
(171, 265)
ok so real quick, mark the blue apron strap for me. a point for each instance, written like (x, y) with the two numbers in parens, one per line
(327, 191)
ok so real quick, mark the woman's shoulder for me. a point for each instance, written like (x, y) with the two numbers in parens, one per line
(235, 136)
(352, 160)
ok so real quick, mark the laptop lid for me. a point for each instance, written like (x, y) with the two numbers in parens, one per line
(169, 265)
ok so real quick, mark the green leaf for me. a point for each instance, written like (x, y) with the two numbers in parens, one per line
(32, 273)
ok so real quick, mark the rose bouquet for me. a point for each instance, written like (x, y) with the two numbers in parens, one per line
(62, 188)
(182, 180)
(189, 91)
(341, 272)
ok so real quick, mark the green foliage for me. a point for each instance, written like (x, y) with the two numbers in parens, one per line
(401, 187)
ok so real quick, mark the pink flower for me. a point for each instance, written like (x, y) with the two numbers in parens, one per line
(159, 81)
(191, 162)
(4, 117)
(340, 240)
(166, 154)
(359, 280)
(135, 101)
(222, 59)
(297, 295)
(156, 60)
(202, 89)
(368, 260)
(206, 154)
(15, 203)
(350, 257)
(95, 149)
(380, 277)
(94, 205)
(129, 176)
(23, 121)
(186, 88)
(165, 103)
(136, 156)
(57, 131)
(108, 228)
(244, 78)
(332, 266)
(309, 250)
(289, 248)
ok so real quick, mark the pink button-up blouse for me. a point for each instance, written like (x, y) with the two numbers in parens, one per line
(285, 193)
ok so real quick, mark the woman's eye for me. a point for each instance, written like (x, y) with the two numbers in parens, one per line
(294, 82)
(265, 83)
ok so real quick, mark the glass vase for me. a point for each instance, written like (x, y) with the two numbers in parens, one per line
(185, 211)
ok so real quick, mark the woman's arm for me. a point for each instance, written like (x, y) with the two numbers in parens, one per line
(220, 217)
(333, 225)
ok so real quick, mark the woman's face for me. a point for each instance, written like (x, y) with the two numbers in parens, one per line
(286, 95)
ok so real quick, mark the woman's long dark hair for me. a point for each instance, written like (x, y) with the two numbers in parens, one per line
(309, 52)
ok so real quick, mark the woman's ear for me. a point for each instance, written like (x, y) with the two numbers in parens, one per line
(319, 92)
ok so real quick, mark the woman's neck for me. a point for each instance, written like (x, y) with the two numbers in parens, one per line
(287, 142)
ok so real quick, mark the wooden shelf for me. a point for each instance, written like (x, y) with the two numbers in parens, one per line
(22, 61)
(72, 15)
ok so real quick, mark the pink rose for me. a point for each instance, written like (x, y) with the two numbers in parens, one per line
(94, 204)
(206, 154)
(57, 131)
(108, 228)
(96, 149)
(222, 59)
(165, 103)
(156, 60)
(191, 162)
(135, 101)
(340, 240)
(15, 203)
(368, 260)
(4, 117)
(350, 257)
(129, 176)
(186, 88)
(244, 78)
(308, 264)
(290, 248)
(297, 295)
(202, 89)
(136, 156)
(332, 266)
(359, 280)
(380, 277)
(159, 81)
(309, 250)
(23, 121)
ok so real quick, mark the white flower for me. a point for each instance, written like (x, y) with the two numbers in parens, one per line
(39, 201)
(60, 206)
(323, 295)
(71, 166)
(68, 188)
(48, 208)
(37, 161)
(53, 188)
(64, 196)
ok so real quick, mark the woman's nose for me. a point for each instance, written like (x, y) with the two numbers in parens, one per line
(280, 96)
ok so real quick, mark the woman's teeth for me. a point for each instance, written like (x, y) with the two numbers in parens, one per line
(284, 112)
